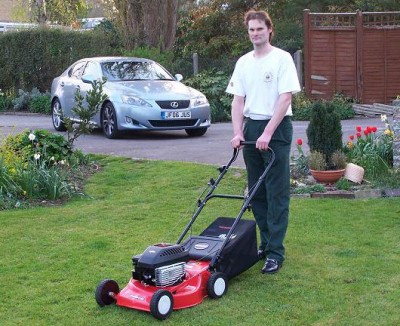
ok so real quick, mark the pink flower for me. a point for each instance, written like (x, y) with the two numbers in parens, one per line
(359, 128)
(352, 137)
(299, 141)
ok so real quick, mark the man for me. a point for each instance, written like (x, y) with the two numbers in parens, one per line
(262, 84)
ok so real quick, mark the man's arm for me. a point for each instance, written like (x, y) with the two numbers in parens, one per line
(237, 120)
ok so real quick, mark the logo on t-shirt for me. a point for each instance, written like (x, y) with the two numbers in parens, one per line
(268, 77)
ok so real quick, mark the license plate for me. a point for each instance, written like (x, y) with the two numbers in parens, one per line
(176, 115)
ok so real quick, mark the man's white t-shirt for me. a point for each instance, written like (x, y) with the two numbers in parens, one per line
(262, 80)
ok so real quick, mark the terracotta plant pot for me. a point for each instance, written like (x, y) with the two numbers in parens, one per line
(330, 176)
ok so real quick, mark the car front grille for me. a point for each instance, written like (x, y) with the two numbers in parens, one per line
(172, 105)
(173, 123)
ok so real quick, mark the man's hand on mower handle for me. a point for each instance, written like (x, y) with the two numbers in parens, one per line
(235, 141)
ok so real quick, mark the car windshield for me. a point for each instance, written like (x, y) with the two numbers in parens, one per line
(134, 70)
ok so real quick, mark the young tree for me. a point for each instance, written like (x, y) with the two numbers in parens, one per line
(54, 11)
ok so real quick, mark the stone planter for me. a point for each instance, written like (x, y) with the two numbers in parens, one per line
(330, 176)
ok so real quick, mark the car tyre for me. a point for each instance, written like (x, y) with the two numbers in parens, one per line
(196, 132)
(105, 292)
(109, 121)
(57, 116)
(161, 304)
(217, 285)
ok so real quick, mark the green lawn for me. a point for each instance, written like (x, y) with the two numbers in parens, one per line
(342, 267)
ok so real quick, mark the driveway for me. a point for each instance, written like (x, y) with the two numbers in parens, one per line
(212, 148)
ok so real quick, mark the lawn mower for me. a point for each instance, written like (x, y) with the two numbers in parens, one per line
(168, 277)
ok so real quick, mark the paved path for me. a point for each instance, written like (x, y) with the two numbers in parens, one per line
(212, 148)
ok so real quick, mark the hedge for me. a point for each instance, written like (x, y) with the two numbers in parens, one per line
(32, 58)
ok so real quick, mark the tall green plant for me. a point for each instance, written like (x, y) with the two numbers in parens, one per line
(324, 131)
(84, 113)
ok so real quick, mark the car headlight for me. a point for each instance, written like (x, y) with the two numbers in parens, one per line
(134, 100)
(198, 101)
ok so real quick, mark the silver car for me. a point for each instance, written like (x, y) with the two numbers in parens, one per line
(142, 95)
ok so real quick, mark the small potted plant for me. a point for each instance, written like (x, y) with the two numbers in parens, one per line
(326, 160)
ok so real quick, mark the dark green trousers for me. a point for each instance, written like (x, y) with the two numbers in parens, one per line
(270, 205)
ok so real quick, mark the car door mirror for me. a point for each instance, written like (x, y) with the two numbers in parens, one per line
(88, 79)
(178, 77)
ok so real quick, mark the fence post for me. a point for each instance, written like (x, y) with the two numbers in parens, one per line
(396, 131)
(298, 62)
(195, 64)
(307, 57)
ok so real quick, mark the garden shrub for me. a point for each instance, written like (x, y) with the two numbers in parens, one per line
(324, 131)
(33, 101)
(213, 84)
(52, 147)
(40, 104)
(302, 106)
(38, 165)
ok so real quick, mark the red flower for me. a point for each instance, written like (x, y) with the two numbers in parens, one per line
(358, 128)
(366, 132)
(299, 141)
(358, 134)
(369, 129)
(374, 129)
(352, 137)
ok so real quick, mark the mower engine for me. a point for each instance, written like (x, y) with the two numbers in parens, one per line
(161, 265)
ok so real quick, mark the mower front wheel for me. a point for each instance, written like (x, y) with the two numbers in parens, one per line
(105, 292)
(217, 285)
(161, 304)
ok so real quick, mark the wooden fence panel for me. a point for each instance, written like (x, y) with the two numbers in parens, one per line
(352, 53)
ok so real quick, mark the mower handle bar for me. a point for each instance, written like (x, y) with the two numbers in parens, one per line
(213, 185)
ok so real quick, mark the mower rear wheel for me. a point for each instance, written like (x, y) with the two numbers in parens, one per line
(161, 304)
(217, 285)
(105, 292)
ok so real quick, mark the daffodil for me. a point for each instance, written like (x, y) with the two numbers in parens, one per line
(388, 132)
(31, 136)
(383, 117)
(36, 156)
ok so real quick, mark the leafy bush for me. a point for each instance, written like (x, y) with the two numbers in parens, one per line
(33, 101)
(213, 84)
(343, 106)
(40, 104)
(37, 165)
(302, 106)
(51, 147)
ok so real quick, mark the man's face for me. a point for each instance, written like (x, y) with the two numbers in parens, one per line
(258, 32)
